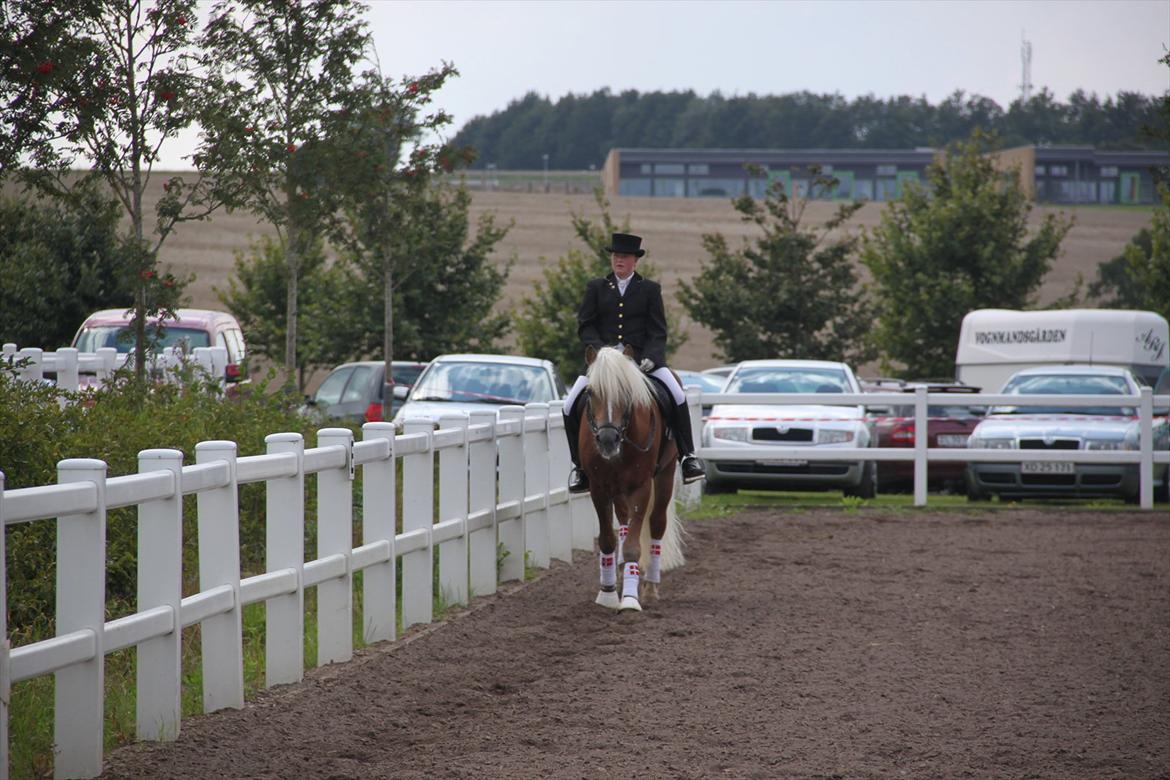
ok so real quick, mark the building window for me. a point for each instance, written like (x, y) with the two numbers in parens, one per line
(826, 170)
(698, 169)
(887, 189)
(1108, 171)
(670, 188)
(863, 189)
(1058, 170)
(647, 169)
(716, 188)
(1039, 170)
(669, 169)
(635, 187)
(887, 170)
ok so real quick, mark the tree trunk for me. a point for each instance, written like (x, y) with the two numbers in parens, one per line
(388, 334)
(292, 257)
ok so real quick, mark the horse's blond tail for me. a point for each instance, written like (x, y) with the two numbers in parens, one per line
(672, 542)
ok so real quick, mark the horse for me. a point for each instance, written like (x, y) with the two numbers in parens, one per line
(630, 463)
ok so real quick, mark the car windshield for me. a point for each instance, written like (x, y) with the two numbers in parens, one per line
(121, 338)
(789, 380)
(490, 383)
(708, 383)
(960, 412)
(1066, 384)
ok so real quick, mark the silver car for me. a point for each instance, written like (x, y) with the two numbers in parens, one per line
(816, 427)
(1062, 428)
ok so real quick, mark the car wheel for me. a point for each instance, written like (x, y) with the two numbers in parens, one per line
(868, 486)
(973, 491)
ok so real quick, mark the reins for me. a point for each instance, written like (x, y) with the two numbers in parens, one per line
(622, 429)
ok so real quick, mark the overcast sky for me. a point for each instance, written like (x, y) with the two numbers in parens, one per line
(505, 49)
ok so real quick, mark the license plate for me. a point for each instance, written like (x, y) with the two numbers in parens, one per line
(952, 440)
(785, 462)
(1047, 467)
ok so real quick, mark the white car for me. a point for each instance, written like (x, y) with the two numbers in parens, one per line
(1062, 428)
(816, 427)
(454, 384)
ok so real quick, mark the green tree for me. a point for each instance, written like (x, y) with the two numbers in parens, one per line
(962, 242)
(276, 111)
(1113, 287)
(61, 261)
(103, 86)
(791, 292)
(546, 323)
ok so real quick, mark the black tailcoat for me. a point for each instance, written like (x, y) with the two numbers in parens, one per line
(638, 318)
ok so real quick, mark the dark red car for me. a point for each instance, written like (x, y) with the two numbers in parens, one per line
(946, 426)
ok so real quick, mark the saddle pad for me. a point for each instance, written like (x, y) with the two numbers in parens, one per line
(665, 403)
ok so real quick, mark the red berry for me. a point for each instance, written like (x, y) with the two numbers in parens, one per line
(182, 20)
(45, 68)
(413, 87)
(249, 130)
(147, 274)
(291, 147)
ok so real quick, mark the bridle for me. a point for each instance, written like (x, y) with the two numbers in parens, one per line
(622, 429)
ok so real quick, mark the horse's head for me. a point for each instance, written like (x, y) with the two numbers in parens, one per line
(617, 392)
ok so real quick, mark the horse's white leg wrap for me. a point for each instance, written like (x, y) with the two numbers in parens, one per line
(608, 570)
(623, 532)
(630, 587)
(654, 565)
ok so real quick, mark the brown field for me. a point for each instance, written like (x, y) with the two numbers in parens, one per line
(672, 231)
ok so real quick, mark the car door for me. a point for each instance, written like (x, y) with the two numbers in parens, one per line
(328, 397)
(359, 392)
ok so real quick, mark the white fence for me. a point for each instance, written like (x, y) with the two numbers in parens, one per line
(68, 364)
(500, 481)
(1145, 456)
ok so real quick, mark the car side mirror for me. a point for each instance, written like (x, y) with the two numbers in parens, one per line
(400, 392)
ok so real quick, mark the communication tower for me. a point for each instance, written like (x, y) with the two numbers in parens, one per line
(1026, 61)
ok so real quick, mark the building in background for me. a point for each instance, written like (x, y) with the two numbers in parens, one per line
(1075, 174)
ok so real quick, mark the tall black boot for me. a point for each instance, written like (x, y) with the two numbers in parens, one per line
(578, 481)
(692, 467)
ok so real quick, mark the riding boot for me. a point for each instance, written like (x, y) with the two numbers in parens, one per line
(692, 467)
(578, 481)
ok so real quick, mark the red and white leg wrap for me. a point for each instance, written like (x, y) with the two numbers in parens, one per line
(608, 570)
(623, 532)
(630, 579)
(654, 566)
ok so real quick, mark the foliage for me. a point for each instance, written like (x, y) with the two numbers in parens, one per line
(959, 243)
(791, 292)
(1113, 287)
(101, 86)
(35, 433)
(275, 115)
(546, 323)
(577, 131)
(61, 262)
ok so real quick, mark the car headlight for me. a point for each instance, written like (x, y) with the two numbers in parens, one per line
(1107, 444)
(730, 434)
(828, 436)
(982, 443)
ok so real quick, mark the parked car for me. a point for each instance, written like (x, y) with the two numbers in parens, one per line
(947, 425)
(816, 427)
(465, 383)
(191, 329)
(708, 383)
(356, 391)
(1063, 428)
(719, 371)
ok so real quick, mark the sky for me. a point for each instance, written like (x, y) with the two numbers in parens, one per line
(923, 48)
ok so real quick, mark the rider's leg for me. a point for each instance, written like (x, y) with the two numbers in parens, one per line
(578, 482)
(692, 467)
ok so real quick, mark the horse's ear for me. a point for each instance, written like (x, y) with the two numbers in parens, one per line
(590, 354)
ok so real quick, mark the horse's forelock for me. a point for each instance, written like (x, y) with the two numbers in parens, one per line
(614, 378)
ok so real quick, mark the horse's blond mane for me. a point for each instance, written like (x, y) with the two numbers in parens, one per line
(615, 379)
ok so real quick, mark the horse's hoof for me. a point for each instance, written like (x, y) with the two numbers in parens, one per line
(648, 591)
(630, 604)
(608, 598)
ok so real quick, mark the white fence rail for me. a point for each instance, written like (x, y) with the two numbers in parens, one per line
(67, 365)
(500, 480)
(1145, 456)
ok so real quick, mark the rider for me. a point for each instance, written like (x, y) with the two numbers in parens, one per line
(625, 309)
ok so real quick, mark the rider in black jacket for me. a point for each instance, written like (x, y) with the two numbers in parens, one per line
(623, 308)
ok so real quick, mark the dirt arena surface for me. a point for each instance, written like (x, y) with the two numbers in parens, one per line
(994, 644)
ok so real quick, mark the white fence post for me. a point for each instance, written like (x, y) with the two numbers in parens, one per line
(690, 496)
(219, 564)
(418, 495)
(511, 459)
(5, 648)
(453, 478)
(108, 360)
(34, 370)
(560, 518)
(1146, 443)
(284, 645)
(921, 441)
(81, 606)
(536, 483)
(481, 476)
(379, 523)
(160, 584)
(67, 371)
(334, 537)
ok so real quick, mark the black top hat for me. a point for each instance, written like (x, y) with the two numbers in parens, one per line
(626, 244)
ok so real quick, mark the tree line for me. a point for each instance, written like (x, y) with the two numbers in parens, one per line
(577, 131)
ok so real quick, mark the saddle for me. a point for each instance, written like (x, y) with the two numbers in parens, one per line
(665, 402)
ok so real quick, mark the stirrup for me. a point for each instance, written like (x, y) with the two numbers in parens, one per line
(692, 469)
(578, 482)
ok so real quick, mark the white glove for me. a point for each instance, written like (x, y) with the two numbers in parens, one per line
(647, 365)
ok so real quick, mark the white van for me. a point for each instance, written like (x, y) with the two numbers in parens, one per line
(995, 343)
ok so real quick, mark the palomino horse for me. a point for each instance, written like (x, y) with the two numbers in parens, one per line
(630, 464)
